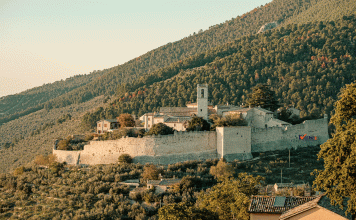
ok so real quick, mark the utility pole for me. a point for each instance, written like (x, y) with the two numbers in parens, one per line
(281, 176)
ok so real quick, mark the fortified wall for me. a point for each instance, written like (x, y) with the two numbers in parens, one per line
(180, 146)
(308, 133)
(228, 142)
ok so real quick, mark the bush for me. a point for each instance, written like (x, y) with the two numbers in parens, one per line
(161, 129)
(125, 158)
(198, 124)
(19, 170)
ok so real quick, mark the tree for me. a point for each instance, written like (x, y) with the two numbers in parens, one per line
(198, 124)
(222, 170)
(150, 172)
(125, 158)
(161, 129)
(229, 120)
(230, 198)
(339, 175)
(263, 96)
(126, 120)
(181, 210)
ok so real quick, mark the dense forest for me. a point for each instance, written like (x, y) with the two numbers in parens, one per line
(84, 88)
(305, 65)
(309, 62)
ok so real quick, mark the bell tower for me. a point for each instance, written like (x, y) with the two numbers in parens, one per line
(202, 101)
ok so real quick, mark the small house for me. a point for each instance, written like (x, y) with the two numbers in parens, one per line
(106, 125)
(319, 208)
(162, 185)
(272, 207)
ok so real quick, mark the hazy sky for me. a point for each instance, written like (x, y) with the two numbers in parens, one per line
(42, 41)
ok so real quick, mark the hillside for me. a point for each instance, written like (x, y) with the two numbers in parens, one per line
(95, 192)
(84, 88)
(306, 65)
(35, 133)
(327, 10)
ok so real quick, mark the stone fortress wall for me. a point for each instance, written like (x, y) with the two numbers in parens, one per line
(308, 133)
(180, 146)
(228, 142)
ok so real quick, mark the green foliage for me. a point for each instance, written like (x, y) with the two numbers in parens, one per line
(64, 144)
(338, 153)
(150, 172)
(161, 129)
(227, 121)
(222, 170)
(19, 171)
(82, 88)
(198, 124)
(126, 120)
(230, 199)
(123, 132)
(262, 96)
(188, 183)
(302, 65)
(125, 158)
(45, 160)
(64, 118)
(180, 211)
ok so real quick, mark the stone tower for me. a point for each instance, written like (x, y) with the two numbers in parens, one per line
(202, 100)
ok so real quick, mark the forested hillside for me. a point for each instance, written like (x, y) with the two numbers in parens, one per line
(90, 86)
(306, 66)
(327, 10)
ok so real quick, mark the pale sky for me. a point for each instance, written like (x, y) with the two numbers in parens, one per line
(43, 41)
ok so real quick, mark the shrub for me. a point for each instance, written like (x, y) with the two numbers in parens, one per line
(161, 129)
(125, 158)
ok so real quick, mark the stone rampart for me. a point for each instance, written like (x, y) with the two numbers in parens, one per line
(228, 142)
(309, 133)
(181, 146)
(71, 157)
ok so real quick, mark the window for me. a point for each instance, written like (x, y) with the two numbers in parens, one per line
(201, 110)
(202, 93)
(149, 125)
(99, 125)
(174, 125)
(149, 119)
(105, 125)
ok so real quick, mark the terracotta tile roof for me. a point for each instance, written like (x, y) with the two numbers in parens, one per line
(266, 204)
(321, 201)
(177, 119)
(263, 110)
(177, 111)
(109, 120)
(302, 208)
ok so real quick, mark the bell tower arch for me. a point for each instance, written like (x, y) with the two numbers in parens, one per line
(202, 101)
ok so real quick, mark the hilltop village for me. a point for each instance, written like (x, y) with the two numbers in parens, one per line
(263, 133)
